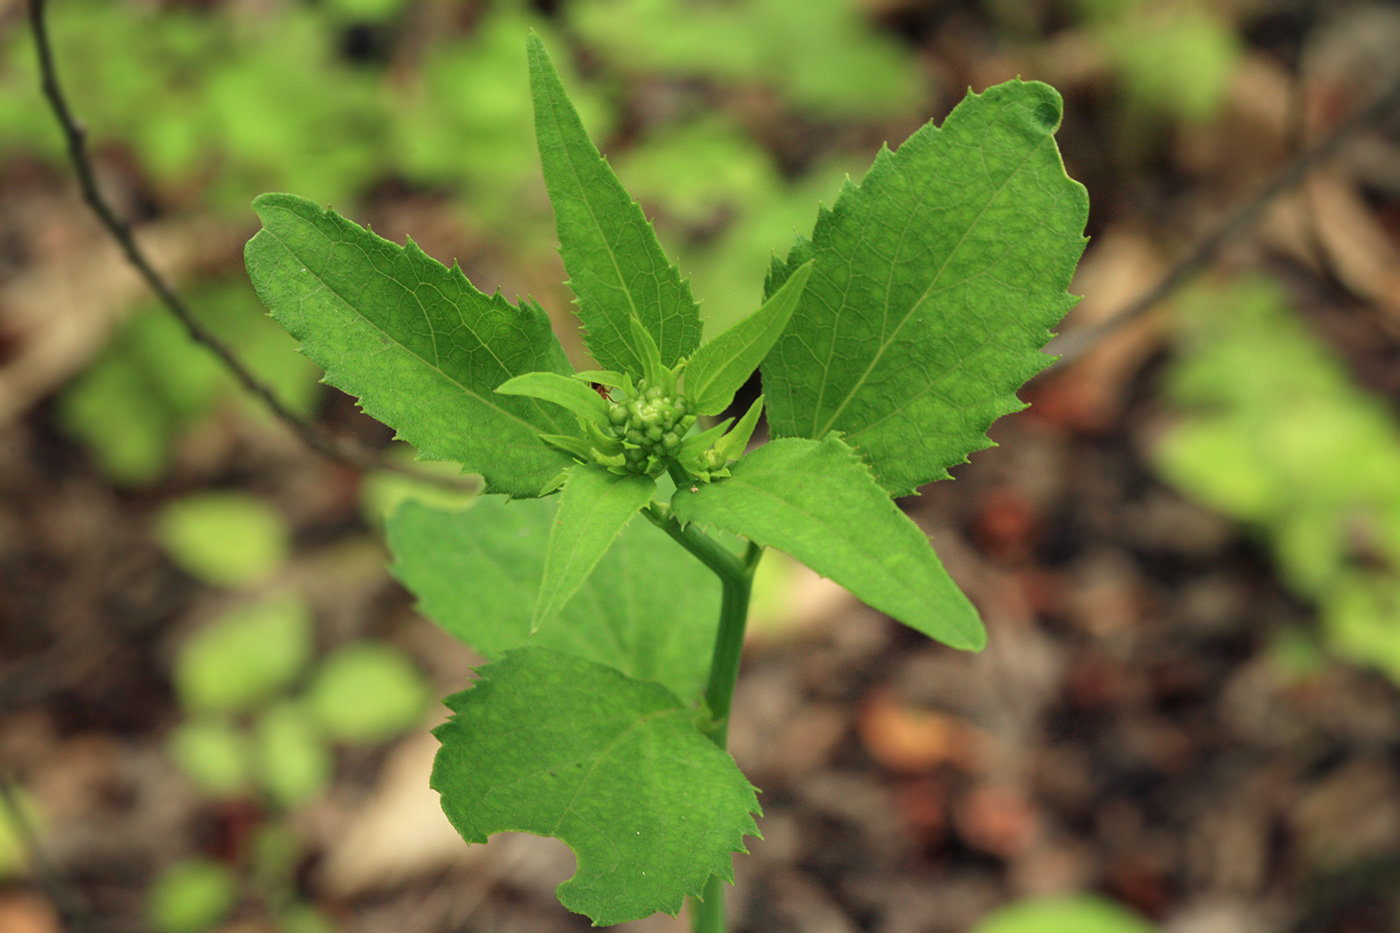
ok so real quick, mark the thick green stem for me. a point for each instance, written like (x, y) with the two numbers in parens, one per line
(736, 578)
(707, 916)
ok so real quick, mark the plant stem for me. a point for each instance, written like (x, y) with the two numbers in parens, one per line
(736, 578)
(707, 916)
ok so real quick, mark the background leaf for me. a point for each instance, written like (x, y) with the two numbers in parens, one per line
(367, 692)
(649, 608)
(418, 345)
(936, 283)
(818, 502)
(244, 656)
(554, 745)
(1078, 913)
(615, 263)
(224, 538)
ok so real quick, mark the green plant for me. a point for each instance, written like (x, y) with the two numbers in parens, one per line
(1272, 431)
(888, 342)
(1079, 913)
(152, 384)
(1176, 57)
(260, 713)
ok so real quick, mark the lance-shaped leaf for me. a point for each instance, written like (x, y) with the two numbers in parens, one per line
(819, 502)
(565, 391)
(722, 365)
(549, 744)
(593, 509)
(615, 263)
(731, 446)
(477, 573)
(936, 283)
(413, 340)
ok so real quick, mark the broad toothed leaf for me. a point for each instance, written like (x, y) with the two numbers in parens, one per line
(593, 509)
(936, 283)
(549, 744)
(420, 347)
(817, 501)
(615, 263)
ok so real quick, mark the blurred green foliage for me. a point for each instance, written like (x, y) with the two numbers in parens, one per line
(822, 57)
(192, 896)
(1274, 432)
(244, 656)
(18, 812)
(366, 692)
(1078, 913)
(215, 103)
(151, 382)
(224, 538)
(261, 714)
(1176, 57)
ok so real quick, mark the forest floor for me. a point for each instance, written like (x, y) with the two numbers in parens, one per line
(1130, 729)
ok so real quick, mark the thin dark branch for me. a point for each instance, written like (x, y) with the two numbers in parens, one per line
(76, 138)
(1072, 346)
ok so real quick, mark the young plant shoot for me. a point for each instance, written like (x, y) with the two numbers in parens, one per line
(888, 342)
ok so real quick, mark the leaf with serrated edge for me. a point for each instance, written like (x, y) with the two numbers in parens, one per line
(818, 502)
(593, 509)
(477, 572)
(553, 745)
(722, 365)
(418, 345)
(937, 281)
(615, 263)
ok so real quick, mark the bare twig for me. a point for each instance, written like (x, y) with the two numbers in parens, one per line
(1070, 347)
(76, 138)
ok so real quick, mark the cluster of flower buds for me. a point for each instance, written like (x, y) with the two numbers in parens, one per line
(650, 426)
(646, 430)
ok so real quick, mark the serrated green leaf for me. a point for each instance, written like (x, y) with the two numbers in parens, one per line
(477, 573)
(564, 391)
(420, 347)
(615, 263)
(722, 365)
(818, 502)
(549, 744)
(593, 509)
(936, 283)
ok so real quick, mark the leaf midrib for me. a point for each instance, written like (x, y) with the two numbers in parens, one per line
(434, 366)
(602, 235)
(913, 308)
